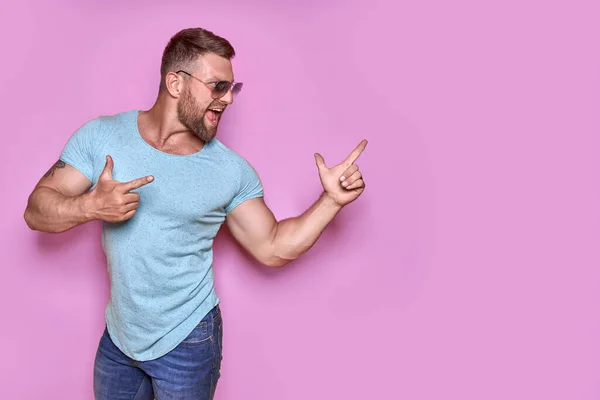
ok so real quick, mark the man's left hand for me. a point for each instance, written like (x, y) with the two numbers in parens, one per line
(344, 182)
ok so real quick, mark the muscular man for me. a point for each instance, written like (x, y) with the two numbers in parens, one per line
(163, 185)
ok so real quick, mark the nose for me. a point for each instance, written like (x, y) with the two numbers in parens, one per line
(227, 97)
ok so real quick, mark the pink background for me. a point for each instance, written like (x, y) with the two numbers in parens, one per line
(467, 270)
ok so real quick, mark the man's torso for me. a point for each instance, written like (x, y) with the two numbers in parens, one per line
(160, 261)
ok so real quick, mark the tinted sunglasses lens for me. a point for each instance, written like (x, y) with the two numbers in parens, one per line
(221, 88)
(237, 88)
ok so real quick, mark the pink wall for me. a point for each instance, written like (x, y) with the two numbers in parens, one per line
(468, 269)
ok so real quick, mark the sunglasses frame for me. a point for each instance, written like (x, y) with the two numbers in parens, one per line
(234, 87)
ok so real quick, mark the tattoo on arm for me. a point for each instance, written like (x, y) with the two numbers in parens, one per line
(58, 164)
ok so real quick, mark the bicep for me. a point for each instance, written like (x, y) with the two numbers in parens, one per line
(254, 226)
(65, 179)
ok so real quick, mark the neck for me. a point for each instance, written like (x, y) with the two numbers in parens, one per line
(160, 127)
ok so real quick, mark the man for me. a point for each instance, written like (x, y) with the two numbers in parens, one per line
(163, 185)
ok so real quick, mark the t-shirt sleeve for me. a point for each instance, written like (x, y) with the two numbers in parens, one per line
(78, 152)
(250, 186)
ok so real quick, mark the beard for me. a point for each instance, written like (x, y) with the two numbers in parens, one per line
(192, 116)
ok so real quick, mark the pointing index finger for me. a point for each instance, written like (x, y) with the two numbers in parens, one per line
(138, 183)
(356, 153)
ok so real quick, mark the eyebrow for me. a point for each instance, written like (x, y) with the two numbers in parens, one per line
(215, 79)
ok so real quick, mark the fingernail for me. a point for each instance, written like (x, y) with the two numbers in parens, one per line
(345, 184)
(150, 178)
(342, 178)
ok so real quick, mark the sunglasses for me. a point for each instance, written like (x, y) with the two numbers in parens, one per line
(219, 88)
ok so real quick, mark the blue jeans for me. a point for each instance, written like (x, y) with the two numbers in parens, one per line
(188, 372)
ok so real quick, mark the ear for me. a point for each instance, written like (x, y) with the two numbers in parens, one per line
(174, 83)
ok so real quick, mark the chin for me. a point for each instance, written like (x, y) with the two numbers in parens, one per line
(206, 136)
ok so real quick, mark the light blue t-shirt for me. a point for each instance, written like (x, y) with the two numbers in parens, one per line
(160, 261)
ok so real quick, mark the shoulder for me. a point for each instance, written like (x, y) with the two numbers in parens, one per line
(108, 123)
(228, 155)
(96, 131)
(235, 164)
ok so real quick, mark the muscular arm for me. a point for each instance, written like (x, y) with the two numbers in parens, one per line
(275, 243)
(61, 199)
(57, 202)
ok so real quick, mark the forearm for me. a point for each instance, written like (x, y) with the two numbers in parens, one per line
(50, 211)
(295, 236)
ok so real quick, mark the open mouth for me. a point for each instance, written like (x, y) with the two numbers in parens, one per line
(213, 115)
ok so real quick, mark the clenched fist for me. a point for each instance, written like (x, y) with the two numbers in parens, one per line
(111, 201)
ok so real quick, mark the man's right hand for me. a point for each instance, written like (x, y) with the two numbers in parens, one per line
(111, 201)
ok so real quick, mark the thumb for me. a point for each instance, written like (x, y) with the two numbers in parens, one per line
(107, 171)
(320, 162)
